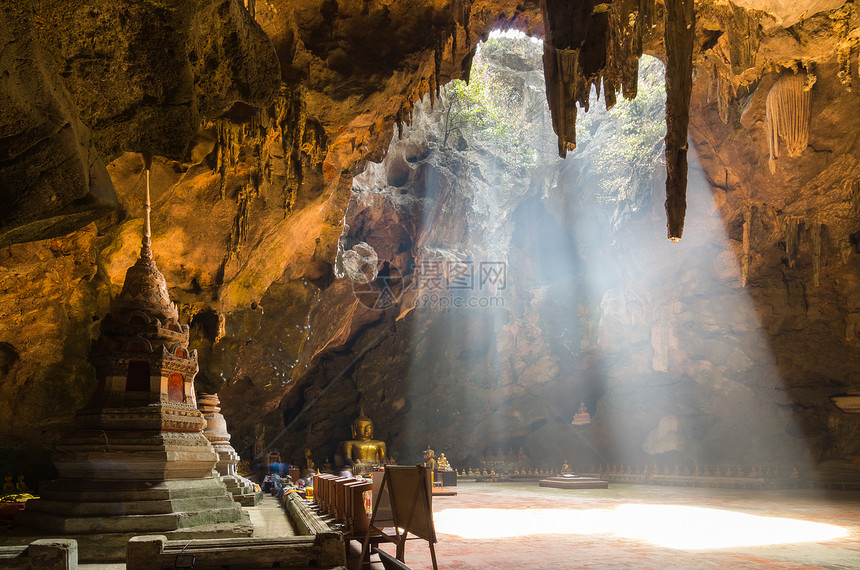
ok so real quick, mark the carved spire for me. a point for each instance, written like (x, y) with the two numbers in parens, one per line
(145, 287)
(146, 243)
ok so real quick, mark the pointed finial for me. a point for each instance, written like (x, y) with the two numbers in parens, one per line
(146, 250)
(146, 228)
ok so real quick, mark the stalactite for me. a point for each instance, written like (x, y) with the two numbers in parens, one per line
(809, 70)
(438, 52)
(787, 116)
(568, 26)
(791, 231)
(843, 58)
(239, 233)
(229, 141)
(745, 260)
(724, 97)
(623, 50)
(855, 194)
(467, 19)
(722, 83)
(841, 28)
(846, 251)
(678, 39)
(816, 253)
(713, 80)
(590, 44)
(744, 31)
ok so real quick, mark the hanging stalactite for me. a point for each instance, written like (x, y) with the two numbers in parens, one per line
(678, 38)
(787, 116)
(590, 44)
(843, 59)
(745, 260)
(816, 254)
(743, 28)
(791, 231)
(725, 96)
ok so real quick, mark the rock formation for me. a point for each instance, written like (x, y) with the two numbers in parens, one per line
(258, 124)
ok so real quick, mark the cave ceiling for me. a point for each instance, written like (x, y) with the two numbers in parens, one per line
(255, 116)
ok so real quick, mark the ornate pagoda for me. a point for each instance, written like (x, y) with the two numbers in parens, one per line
(137, 461)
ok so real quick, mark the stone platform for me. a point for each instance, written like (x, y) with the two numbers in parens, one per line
(103, 515)
(574, 482)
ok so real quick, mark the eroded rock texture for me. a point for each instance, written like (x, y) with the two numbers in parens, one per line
(53, 180)
(258, 123)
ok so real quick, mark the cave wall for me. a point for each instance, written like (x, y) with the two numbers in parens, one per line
(684, 353)
(259, 116)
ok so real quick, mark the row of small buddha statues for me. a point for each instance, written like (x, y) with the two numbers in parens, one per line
(761, 472)
(16, 491)
(517, 472)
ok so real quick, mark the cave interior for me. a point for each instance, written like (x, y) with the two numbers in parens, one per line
(336, 242)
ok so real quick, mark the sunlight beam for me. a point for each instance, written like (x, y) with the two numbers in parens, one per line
(669, 526)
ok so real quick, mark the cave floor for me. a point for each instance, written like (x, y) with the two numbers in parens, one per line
(522, 525)
(638, 526)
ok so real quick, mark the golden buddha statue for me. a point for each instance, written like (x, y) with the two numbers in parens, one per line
(442, 464)
(430, 459)
(363, 452)
(310, 466)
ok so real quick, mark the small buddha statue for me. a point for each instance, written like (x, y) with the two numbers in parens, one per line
(363, 452)
(326, 466)
(581, 417)
(309, 463)
(443, 464)
(21, 485)
(430, 459)
(8, 486)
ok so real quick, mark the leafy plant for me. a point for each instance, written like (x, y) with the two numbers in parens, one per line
(624, 145)
(490, 112)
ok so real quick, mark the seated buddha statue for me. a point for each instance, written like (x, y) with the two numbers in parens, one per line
(442, 463)
(363, 452)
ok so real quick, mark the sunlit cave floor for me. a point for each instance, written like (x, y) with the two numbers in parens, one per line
(521, 525)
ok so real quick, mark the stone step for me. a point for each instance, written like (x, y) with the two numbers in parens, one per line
(233, 513)
(54, 522)
(122, 508)
(90, 525)
(84, 490)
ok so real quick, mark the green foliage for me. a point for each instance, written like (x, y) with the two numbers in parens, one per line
(489, 111)
(625, 144)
